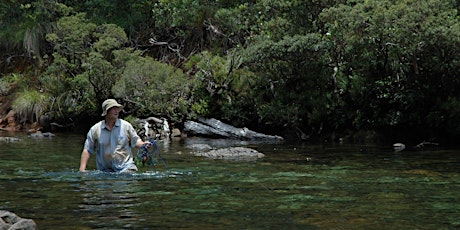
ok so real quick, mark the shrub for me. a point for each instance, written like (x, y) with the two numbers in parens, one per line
(29, 105)
(153, 88)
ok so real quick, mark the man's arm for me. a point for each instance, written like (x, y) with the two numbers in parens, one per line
(84, 160)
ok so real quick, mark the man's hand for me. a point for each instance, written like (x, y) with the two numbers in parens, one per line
(147, 144)
(141, 143)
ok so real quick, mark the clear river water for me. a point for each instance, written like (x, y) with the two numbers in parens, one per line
(295, 186)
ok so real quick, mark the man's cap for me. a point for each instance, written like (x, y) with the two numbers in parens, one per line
(109, 103)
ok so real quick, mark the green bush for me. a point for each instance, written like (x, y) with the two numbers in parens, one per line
(223, 88)
(153, 88)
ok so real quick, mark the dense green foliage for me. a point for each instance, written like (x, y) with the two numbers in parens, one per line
(153, 88)
(398, 62)
(311, 66)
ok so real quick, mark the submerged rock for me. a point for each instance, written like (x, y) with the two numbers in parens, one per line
(231, 153)
(9, 139)
(398, 147)
(9, 220)
(39, 134)
(200, 147)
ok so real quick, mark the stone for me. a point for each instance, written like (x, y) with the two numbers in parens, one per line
(200, 147)
(39, 134)
(231, 153)
(175, 132)
(11, 221)
(398, 147)
(9, 139)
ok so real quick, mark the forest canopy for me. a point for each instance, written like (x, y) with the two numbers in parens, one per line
(305, 66)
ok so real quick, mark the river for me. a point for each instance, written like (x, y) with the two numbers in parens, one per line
(295, 186)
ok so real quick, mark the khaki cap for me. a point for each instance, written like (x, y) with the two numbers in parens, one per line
(109, 103)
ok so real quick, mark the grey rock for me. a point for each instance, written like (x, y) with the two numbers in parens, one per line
(231, 153)
(200, 147)
(9, 139)
(11, 221)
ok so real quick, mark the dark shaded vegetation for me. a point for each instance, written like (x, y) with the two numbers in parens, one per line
(305, 68)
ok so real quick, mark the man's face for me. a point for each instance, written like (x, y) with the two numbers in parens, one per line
(113, 112)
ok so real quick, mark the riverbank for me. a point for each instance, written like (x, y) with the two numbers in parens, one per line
(9, 121)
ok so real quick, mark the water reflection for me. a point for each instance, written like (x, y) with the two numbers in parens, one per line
(109, 200)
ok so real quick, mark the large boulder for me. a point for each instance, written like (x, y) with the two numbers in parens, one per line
(11, 221)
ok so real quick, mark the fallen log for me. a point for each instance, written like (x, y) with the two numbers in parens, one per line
(215, 128)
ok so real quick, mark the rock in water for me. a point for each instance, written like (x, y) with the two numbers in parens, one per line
(232, 153)
(11, 221)
(399, 147)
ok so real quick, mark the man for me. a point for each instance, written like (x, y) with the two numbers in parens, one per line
(112, 140)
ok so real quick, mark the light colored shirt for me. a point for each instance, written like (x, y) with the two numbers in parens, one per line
(113, 148)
